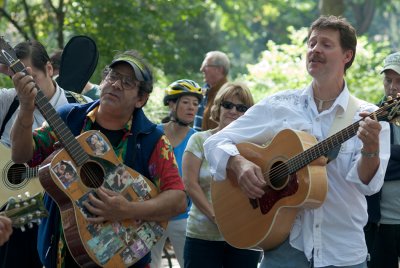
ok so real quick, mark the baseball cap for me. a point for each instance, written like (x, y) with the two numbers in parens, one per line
(141, 73)
(392, 62)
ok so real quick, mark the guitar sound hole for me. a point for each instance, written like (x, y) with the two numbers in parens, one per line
(279, 175)
(92, 174)
(16, 174)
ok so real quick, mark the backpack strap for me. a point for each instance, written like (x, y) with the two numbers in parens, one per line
(11, 111)
(74, 97)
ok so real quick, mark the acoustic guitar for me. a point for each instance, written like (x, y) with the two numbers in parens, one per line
(25, 211)
(293, 180)
(69, 175)
(16, 179)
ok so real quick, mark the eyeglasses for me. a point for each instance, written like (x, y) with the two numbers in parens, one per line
(127, 83)
(241, 108)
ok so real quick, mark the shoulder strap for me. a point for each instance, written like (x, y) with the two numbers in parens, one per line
(11, 111)
(342, 121)
(74, 97)
(346, 119)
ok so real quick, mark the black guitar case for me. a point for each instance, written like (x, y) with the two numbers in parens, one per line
(78, 62)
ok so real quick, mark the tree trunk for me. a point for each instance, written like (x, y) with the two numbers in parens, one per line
(331, 7)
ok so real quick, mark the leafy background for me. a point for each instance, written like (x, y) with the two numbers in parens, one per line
(265, 40)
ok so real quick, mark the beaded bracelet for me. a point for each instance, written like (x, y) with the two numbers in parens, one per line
(369, 155)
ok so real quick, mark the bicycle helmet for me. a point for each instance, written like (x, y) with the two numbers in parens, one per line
(180, 88)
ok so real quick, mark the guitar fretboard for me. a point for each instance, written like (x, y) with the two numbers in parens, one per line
(322, 148)
(63, 133)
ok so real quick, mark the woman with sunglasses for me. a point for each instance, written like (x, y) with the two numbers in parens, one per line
(205, 246)
(183, 98)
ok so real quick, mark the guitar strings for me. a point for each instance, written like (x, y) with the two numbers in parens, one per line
(91, 175)
(46, 108)
(280, 171)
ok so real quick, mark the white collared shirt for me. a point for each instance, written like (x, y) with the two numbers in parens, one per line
(335, 230)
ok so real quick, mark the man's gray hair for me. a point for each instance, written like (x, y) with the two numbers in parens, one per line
(220, 59)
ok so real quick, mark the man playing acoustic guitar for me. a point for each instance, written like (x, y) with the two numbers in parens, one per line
(118, 115)
(328, 231)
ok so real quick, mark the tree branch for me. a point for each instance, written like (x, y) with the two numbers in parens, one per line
(14, 23)
(29, 19)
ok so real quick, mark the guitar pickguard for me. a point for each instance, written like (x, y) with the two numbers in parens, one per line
(272, 196)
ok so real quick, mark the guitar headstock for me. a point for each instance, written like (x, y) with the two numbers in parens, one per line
(25, 211)
(390, 110)
(8, 56)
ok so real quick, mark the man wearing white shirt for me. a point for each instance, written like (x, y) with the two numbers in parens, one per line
(331, 235)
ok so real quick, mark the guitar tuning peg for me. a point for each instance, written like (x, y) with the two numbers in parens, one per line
(30, 225)
(23, 229)
(22, 220)
(11, 200)
(27, 194)
(19, 196)
(25, 204)
(38, 214)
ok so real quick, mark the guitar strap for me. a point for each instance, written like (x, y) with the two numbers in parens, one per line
(74, 97)
(71, 96)
(11, 111)
(342, 121)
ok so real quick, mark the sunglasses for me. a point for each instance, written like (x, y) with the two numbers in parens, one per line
(241, 108)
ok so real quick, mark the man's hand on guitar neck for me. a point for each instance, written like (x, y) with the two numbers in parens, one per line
(21, 132)
(249, 176)
(368, 133)
(26, 90)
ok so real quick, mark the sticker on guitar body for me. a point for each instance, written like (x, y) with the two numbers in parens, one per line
(141, 187)
(98, 145)
(105, 244)
(66, 173)
(119, 179)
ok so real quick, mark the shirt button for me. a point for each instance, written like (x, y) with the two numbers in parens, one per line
(317, 226)
(317, 119)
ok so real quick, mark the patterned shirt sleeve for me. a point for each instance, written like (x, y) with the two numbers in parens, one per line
(163, 168)
(43, 144)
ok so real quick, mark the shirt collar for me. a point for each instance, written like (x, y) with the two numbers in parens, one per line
(340, 103)
(92, 117)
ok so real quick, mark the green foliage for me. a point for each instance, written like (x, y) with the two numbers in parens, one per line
(364, 76)
(257, 35)
(283, 67)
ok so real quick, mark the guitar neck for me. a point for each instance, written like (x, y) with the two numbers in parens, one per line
(324, 147)
(61, 130)
(24, 211)
(321, 149)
